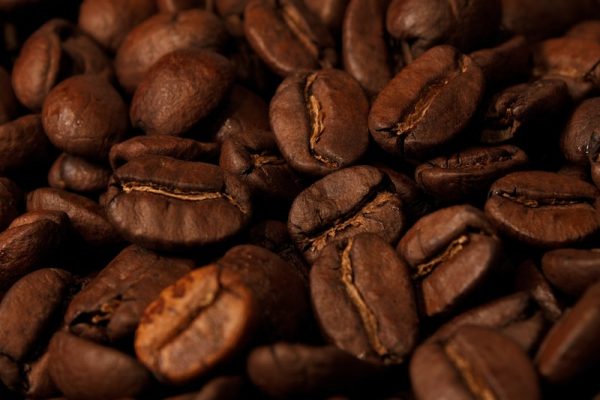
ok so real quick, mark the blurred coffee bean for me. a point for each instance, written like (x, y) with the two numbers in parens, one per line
(572, 270)
(23, 143)
(78, 175)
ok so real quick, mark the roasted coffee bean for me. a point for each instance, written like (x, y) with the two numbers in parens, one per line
(414, 201)
(210, 314)
(8, 101)
(179, 90)
(232, 12)
(11, 198)
(468, 173)
(588, 30)
(174, 6)
(77, 366)
(593, 149)
(221, 388)
(255, 159)
(366, 52)
(162, 145)
(518, 110)
(109, 21)
(28, 242)
(543, 209)
(409, 117)
(320, 121)
(109, 307)
(572, 344)
(78, 175)
(343, 204)
(87, 217)
(29, 310)
(161, 34)
(84, 116)
(285, 370)
(474, 363)
(22, 143)
(575, 140)
(422, 24)
(530, 279)
(330, 12)
(363, 299)
(151, 203)
(572, 270)
(287, 36)
(452, 253)
(9, 5)
(54, 52)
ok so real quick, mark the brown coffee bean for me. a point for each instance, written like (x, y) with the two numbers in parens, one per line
(474, 363)
(575, 140)
(320, 121)
(572, 344)
(162, 145)
(588, 30)
(23, 143)
(109, 21)
(77, 366)
(87, 217)
(285, 370)
(11, 198)
(161, 34)
(543, 209)
(363, 299)
(530, 279)
(330, 12)
(78, 175)
(287, 36)
(409, 119)
(468, 173)
(343, 204)
(204, 206)
(572, 270)
(232, 12)
(414, 201)
(179, 90)
(220, 388)
(174, 6)
(8, 100)
(9, 5)
(452, 253)
(109, 307)
(54, 52)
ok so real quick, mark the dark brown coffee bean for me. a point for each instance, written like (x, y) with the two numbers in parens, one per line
(452, 253)
(220, 388)
(28, 311)
(9, 5)
(414, 201)
(588, 30)
(343, 204)
(423, 24)
(162, 34)
(518, 110)
(256, 160)
(11, 198)
(365, 48)
(174, 6)
(575, 140)
(109, 21)
(530, 279)
(78, 175)
(474, 363)
(572, 270)
(330, 12)
(85, 370)
(232, 12)
(182, 88)
(110, 306)
(84, 116)
(572, 345)
(287, 36)
(363, 299)
(285, 370)
(162, 145)
(409, 117)
(203, 206)
(8, 100)
(543, 209)
(468, 173)
(39, 382)
(22, 143)
(320, 121)
(54, 52)
(87, 217)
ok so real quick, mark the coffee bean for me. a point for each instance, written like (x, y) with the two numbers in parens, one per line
(468, 173)
(571, 346)
(330, 12)
(232, 12)
(287, 36)
(415, 202)
(588, 30)
(77, 174)
(543, 209)
(363, 299)
(220, 388)
(10, 202)
(152, 204)
(8, 101)
(474, 362)
(109, 308)
(23, 143)
(452, 253)
(174, 6)
(530, 279)
(575, 140)
(320, 121)
(572, 270)
(199, 79)
(343, 204)
(9, 5)
(409, 119)
(161, 34)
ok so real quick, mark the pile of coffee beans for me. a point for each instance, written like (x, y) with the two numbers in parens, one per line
(305, 199)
